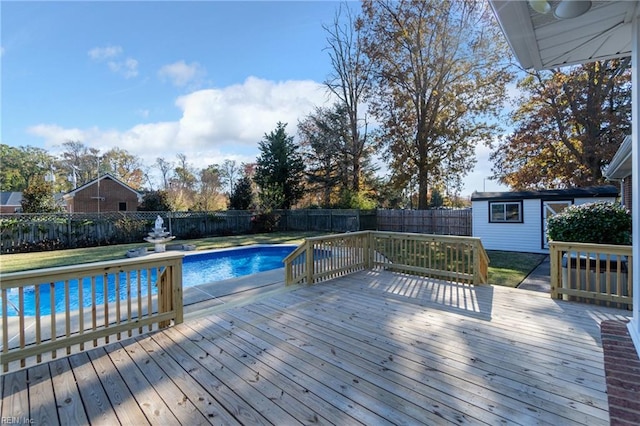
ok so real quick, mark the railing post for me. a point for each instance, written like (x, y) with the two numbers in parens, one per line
(477, 277)
(177, 302)
(555, 269)
(309, 262)
(368, 249)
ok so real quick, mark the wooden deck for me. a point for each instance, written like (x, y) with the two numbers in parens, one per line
(369, 348)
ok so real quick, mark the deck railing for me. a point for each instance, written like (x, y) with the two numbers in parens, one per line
(593, 273)
(45, 311)
(460, 259)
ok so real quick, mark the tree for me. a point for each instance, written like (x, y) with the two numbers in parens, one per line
(436, 199)
(350, 82)
(230, 172)
(241, 197)
(209, 196)
(182, 185)
(22, 166)
(124, 166)
(165, 168)
(81, 163)
(279, 170)
(38, 197)
(440, 73)
(321, 140)
(567, 127)
(155, 201)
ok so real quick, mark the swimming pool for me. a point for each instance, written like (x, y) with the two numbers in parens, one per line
(197, 268)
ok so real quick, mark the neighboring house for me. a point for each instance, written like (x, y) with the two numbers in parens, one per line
(620, 170)
(104, 194)
(516, 221)
(10, 201)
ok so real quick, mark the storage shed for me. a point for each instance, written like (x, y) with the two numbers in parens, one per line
(516, 221)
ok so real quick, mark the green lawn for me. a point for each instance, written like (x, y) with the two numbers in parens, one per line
(509, 268)
(505, 268)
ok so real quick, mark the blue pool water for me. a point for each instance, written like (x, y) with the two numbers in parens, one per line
(197, 268)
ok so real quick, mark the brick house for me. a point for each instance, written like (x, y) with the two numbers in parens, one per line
(104, 194)
(10, 201)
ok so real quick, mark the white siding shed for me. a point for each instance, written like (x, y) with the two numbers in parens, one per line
(515, 221)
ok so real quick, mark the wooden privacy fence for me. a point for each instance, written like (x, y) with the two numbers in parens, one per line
(440, 222)
(592, 273)
(453, 258)
(35, 232)
(45, 311)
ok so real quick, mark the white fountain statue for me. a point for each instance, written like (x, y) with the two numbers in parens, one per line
(159, 236)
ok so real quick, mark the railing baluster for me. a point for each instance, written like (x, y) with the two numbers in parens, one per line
(105, 296)
(52, 315)
(81, 310)
(117, 293)
(22, 330)
(5, 328)
(150, 291)
(67, 313)
(139, 283)
(94, 309)
(38, 324)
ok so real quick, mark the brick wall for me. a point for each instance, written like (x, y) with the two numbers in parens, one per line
(111, 195)
(626, 191)
(622, 370)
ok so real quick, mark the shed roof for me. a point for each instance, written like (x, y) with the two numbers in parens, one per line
(549, 194)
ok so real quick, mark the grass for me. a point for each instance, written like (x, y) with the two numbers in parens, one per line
(505, 268)
(509, 268)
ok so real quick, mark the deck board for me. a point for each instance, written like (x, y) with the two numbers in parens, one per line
(373, 347)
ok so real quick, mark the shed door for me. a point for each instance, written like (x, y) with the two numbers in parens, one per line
(551, 208)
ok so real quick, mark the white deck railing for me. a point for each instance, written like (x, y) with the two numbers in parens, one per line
(41, 312)
(460, 259)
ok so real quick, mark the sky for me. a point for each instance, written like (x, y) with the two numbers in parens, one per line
(159, 78)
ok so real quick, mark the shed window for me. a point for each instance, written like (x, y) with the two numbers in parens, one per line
(510, 211)
(122, 206)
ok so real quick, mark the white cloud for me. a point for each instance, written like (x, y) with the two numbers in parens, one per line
(215, 124)
(181, 74)
(107, 52)
(128, 67)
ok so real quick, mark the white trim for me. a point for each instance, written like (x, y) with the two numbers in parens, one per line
(514, 18)
(619, 167)
(634, 325)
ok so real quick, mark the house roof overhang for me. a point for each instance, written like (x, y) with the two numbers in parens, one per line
(548, 194)
(542, 41)
(620, 165)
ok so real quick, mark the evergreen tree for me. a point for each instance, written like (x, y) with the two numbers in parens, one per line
(241, 197)
(279, 170)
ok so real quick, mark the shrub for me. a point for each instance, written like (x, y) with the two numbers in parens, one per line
(599, 222)
(264, 222)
